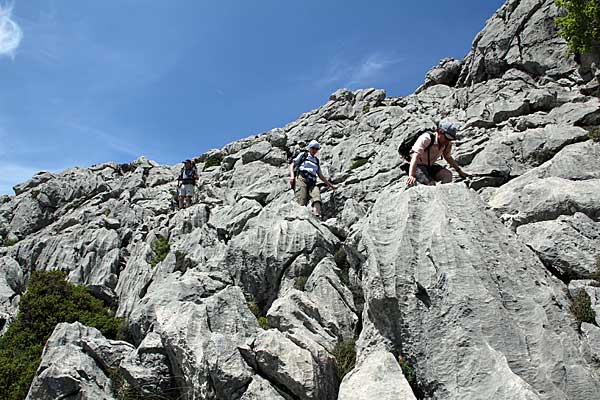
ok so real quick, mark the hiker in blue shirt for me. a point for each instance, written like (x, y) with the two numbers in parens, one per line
(304, 171)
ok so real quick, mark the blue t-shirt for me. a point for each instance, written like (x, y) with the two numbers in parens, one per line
(309, 165)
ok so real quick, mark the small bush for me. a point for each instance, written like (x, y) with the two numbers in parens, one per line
(49, 300)
(254, 309)
(182, 262)
(582, 308)
(359, 162)
(300, 282)
(263, 322)
(407, 370)
(341, 258)
(595, 135)
(581, 26)
(8, 242)
(161, 248)
(213, 161)
(345, 356)
(596, 274)
(366, 108)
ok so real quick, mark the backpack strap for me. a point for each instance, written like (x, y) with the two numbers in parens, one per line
(428, 148)
(303, 157)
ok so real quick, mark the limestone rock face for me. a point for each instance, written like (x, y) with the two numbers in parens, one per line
(443, 276)
(76, 362)
(378, 376)
(469, 284)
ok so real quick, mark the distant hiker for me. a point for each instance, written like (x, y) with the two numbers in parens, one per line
(187, 181)
(304, 171)
(426, 150)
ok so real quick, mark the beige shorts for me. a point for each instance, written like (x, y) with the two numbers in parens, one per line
(186, 190)
(304, 192)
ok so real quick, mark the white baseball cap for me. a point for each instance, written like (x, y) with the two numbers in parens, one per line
(314, 145)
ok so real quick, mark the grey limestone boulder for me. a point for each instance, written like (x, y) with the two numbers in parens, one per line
(75, 363)
(378, 376)
(291, 366)
(443, 276)
(569, 245)
(12, 285)
(562, 186)
(147, 368)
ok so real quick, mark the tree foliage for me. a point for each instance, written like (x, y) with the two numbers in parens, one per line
(581, 25)
(49, 300)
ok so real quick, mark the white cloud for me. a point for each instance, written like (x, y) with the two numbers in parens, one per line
(371, 68)
(364, 73)
(10, 32)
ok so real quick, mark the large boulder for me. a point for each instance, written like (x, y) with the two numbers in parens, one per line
(569, 245)
(76, 363)
(566, 184)
(473, 309)
(378, 376)
(522, 34)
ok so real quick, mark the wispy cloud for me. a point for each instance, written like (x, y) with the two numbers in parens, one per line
(10, 32)
(114, 141)
(361, 72)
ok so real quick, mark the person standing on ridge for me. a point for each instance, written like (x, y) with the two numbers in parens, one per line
(428, 148)
(187, 182)
(304, 171)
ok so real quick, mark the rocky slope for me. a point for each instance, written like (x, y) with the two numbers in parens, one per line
(470, 285)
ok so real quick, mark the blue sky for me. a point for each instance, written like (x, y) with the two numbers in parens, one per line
(90, 81)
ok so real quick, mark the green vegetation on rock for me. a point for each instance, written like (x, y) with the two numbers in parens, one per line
(357, 163)
(581, 25)
(49, 300)
(595, 135)
(300, 282)
(345, 356)
(8, 242)
(263, 322)
(161, 248)
(407, 370)
(213, 161)
(582, 307)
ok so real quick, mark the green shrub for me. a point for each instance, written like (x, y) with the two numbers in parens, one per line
(582, 307)
(49, 300)
(596, 274)
(8, 242)
(213, 161)
(263, 322)
(595, 135)
(182, 262)
(254, 309)
(161, 248)
(581, 25)
(345, 356)
(366, 108)
(300, 282)
(407, 370)
(359, 162)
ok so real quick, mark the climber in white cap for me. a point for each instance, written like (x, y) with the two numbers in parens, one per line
(304, 171)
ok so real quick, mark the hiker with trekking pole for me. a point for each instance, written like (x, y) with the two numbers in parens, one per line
(304, 170)
(186, 183)
(422, 151)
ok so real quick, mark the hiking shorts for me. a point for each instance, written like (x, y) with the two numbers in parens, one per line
(426, 173)
(305, 192)
(186, 190)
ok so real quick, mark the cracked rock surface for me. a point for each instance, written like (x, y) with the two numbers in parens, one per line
(461, 291)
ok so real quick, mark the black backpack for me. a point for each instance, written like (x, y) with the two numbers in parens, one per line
(409, 141)
(186, 180)
(301, 160)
